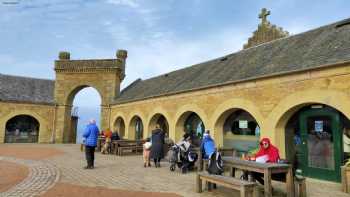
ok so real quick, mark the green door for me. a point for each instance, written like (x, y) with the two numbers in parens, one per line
(321, 144)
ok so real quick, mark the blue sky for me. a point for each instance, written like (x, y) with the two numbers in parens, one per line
(160, 35)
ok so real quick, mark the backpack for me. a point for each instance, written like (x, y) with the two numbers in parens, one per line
(215, 164)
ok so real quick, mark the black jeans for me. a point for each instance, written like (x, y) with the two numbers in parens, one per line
(90, 155)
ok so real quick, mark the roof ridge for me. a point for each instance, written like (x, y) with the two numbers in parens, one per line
(25, 77)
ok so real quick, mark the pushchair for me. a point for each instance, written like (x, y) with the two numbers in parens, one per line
(181, 158)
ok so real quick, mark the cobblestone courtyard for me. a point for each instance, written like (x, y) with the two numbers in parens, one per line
(113, 172)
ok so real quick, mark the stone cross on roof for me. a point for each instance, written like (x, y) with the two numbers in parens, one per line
(263, 15)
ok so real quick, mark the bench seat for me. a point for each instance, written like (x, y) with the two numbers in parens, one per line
(247, 189)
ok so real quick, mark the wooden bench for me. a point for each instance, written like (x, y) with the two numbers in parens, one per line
(133, 146)
(129, 149)
(247, 189)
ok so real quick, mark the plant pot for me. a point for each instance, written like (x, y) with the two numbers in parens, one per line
(345, 173)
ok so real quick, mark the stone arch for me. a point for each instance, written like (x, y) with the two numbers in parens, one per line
(42, 122)
(182, 114)
(164, 124)
(152, 118)
(119, 126)
(136, 123)
(280, 115)
(72, 92)
(73, 75)
(225, 109)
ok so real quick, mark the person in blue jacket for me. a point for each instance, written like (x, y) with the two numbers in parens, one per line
(90, 134)
(208, 145)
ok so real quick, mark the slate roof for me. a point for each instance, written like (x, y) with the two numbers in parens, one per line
(323, 46)
(24, 89)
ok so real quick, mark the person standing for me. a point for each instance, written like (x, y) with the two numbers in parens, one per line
(157, 149)
(208, 145)
(90, 134)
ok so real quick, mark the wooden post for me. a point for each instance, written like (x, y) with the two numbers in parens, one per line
(267, 183)
(199, 184)
(345, 174)
(290, 182)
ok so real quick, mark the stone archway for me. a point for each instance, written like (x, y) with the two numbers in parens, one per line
(22, 129)
(136, 128)
(161, 120)
(190, 122)
(73, 75)
(119, 127)
(237, 128)
(282, 113)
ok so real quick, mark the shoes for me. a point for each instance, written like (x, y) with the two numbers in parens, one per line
(149, 164)
(88, 167)
(144, 165)
(156, 165)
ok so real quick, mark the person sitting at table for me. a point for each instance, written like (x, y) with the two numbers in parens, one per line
(108, 139)
(267, 153)
(208, 145)
(115, 136)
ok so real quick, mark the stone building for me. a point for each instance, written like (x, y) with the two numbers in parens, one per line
(293, 89)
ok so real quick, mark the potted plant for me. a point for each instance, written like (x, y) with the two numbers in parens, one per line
(345, 172)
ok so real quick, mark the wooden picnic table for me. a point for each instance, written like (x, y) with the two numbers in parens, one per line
(265, 168)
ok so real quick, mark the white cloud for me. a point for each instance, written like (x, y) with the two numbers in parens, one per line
(129, 3)
(165, 54)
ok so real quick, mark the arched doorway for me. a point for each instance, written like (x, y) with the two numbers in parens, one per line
(119, 126)
(239, 129)
(136, 128)
(86, 103)
(314, 140)
(22, 129)
(190, 122)
(161, 120)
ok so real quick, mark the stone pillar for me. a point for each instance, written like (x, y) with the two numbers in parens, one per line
(63, 122)
(105, 117)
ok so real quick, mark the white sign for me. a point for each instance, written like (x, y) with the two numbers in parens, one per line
(318, 125)
(243, 124)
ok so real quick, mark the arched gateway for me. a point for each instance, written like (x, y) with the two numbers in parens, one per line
(72, 76)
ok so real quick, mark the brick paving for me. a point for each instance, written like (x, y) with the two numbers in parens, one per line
(42, 176)
(128, 173)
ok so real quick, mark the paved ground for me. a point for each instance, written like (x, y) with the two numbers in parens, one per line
(64, 169)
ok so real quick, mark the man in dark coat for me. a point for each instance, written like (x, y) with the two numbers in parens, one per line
(157, 139)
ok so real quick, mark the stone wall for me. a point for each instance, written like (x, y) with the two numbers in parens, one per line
(44, 114)
(271, 101)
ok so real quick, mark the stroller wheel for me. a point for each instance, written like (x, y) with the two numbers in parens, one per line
(172, 168)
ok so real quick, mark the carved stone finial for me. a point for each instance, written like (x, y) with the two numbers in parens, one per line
(122, 54)
(265, 32)
(64, 55)
(263, 15)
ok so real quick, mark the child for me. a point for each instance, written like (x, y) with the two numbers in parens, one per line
(146, 153)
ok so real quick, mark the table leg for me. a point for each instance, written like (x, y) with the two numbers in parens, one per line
(290, 183)
(232, 172)
(267, 183)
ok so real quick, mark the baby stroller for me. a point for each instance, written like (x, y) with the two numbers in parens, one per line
(181, 158)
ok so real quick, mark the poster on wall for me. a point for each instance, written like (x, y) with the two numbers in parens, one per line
(318, 125)
(243, 124)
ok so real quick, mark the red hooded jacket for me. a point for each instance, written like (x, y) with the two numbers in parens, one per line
(271, 151)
